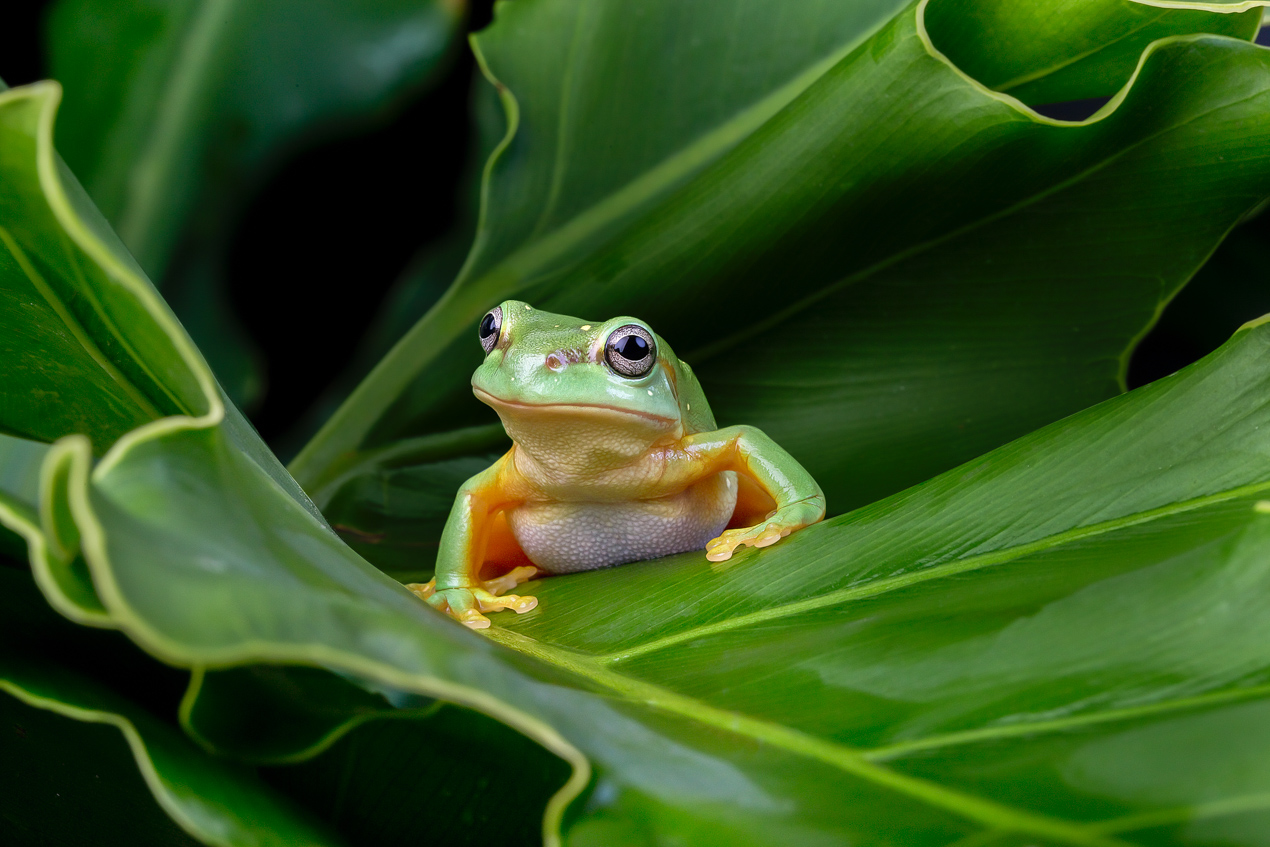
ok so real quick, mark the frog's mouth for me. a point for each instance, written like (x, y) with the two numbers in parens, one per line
(517, 407)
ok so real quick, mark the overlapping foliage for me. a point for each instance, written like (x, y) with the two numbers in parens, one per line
(904, 275)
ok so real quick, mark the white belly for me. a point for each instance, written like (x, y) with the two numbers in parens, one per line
(569, 537)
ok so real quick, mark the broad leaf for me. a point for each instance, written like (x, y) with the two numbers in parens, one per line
(1070, 51)
(71, 257)
(864, 252)
(1068, 611)
(815, 688)
(175, 112)
(1018, 596)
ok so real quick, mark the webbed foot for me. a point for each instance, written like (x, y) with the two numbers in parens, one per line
(767, 532)
(467, 604)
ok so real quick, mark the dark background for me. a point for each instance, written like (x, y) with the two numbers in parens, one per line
(308, 336)
(308, 333)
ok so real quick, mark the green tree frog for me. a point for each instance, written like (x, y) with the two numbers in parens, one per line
(615, 458)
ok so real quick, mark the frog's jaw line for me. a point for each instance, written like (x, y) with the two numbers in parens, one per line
(517, 407)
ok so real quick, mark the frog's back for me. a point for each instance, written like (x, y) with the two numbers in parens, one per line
(694, 409)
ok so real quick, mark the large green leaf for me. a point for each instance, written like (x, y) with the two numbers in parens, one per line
(1069, 611)
(55, 229)
(1101, 577)
(175, 112)
(864, 252)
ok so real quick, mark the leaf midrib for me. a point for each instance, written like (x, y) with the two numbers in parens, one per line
(864, 763)
(987, 812)
(74, 327)
(1014, 730)
(954, 568)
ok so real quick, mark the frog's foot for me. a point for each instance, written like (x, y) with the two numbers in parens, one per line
(466, 604)
(767, 532)
(511, 579)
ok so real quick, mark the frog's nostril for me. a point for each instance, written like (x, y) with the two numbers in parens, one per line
(555, 362)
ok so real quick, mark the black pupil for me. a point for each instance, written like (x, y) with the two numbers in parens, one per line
(489, 325)
(632, 347)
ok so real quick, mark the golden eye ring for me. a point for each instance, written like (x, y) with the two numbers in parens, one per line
(490, 328)
(630, 351)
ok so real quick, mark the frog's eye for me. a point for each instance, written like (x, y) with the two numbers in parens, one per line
(491, 325)
(631, 350)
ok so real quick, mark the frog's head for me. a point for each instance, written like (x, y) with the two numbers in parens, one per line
(567, 386)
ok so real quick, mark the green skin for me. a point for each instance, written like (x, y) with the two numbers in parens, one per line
(606, 467)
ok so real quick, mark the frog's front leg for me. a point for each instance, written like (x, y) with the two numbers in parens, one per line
(747, 450)
(457, 587)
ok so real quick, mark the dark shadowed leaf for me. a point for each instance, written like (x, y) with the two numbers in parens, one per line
(90, 676)
(175, 111)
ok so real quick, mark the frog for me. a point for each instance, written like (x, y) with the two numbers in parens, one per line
(615, 458)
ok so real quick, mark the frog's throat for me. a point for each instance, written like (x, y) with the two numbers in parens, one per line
(595, 408)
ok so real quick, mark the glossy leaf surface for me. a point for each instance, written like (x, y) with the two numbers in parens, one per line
(1078, 610)
(1013, 598)
(807, 690)
(882, 264)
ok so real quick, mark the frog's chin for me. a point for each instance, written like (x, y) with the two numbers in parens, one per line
(516, 408)
(573, 439)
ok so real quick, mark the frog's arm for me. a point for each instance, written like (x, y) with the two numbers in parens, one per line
(457, 587)
(746, 450)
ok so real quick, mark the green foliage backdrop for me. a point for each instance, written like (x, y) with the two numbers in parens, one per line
(1037, 617)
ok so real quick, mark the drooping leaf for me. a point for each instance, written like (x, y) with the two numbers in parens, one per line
(378, 772)
(886, 267)
(280, 713)
(1049, 53)
(175, 111)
